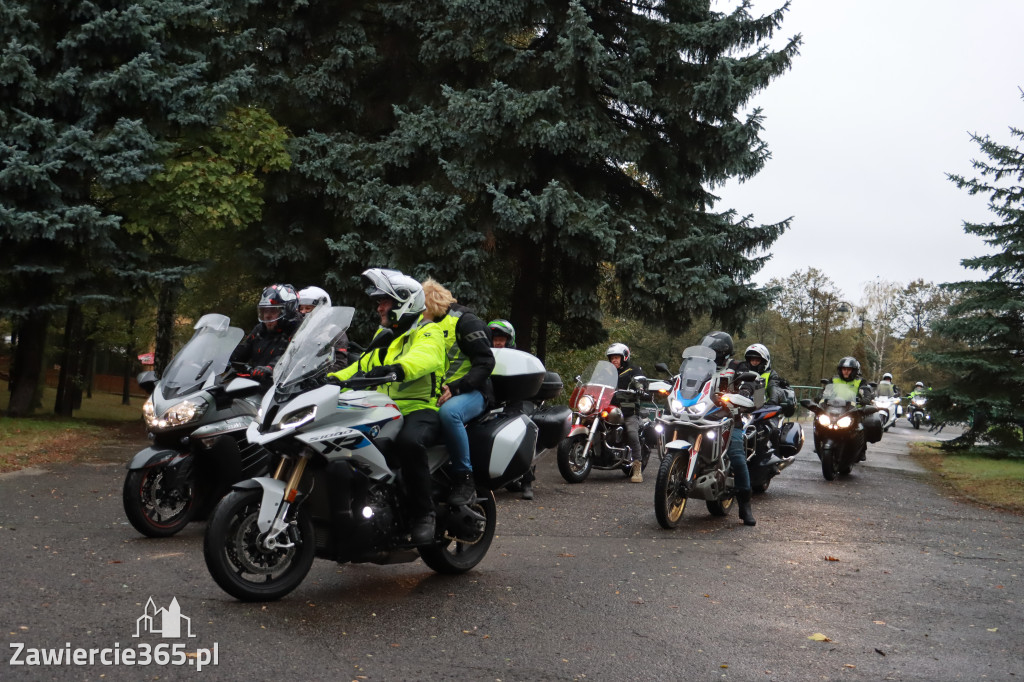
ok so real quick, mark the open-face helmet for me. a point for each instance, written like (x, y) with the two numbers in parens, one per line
(721, 343)
(618, 349)
(404, 291)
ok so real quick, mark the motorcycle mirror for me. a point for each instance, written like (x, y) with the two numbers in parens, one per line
(381, 340)
(870, 409)
(662, 367)
(806, 402)
(147, 380)
(873, 384)
(826, 382)
(747, 376)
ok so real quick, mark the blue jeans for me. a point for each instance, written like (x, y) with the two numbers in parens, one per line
(455, 412)
(738, 460)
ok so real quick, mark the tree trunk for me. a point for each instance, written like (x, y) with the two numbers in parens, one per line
(89, 368)
(27, 363)
(524, 292)
(69, 385)
(167, 305)
(544, 303)
(129, 362)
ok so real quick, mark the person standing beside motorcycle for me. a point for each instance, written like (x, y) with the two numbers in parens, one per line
(618, 355)
(261, 348)
(848, 373)
(466, 388)
(721, 343)
(413, 350)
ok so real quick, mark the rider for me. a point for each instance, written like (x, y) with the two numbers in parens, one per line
(278, 313)
(618, 355)
(885, 386)
(757, 359)
(311, 297)
(412, 349)
(721, 343)
(503, 334)
(466, 387)
(848, 374)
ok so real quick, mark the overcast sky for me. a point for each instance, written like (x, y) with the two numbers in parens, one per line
(877, 108)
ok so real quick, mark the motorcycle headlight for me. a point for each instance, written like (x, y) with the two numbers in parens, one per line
(824, 420)
(675, 406)
(585, 404)
(697, 410)
(845, 422)
(179, 414)
(148, 413)
(297, 418)
(919, 401)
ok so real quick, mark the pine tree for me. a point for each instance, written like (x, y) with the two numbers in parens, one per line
(89, 92)
(988, 318)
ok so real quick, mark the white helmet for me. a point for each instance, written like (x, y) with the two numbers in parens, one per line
(886, 377)
(759, 350)
(314, 296)
(405, 291)
(618, 349)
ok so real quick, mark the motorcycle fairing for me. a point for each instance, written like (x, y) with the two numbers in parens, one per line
(151, 457)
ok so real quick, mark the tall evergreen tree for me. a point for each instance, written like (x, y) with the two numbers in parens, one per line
(89, 92)
(988, 318)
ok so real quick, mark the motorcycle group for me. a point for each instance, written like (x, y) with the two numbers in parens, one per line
(294, 443)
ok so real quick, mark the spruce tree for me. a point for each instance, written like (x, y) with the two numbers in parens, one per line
(988, 318)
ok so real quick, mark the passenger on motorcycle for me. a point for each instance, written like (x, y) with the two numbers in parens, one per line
(261, 348)
(721, 343)
(311, 297)
(618, 355)
(848, 372)
(466, 388)
(503, 334)
(415, 354)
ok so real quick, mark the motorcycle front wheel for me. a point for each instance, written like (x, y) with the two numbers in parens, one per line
(670, 490)
(153, 508)
(458, 553)
(721, 507)
(572, 464)
(829, 463)
(237, 561)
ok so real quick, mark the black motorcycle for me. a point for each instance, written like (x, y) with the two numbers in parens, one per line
(771, 442)
(196, 414)
(842, 429)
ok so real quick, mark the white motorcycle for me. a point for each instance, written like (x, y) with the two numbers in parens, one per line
(888, 405)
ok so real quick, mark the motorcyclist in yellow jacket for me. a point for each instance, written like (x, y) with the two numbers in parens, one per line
(412, 349)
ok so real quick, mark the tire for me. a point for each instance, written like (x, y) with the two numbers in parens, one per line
(917, 421)
(153, 510)
(453, 556)
(761, 487)
(571, 464)
(242, 569)
(829, 463)
(669, 490)
(721, 507)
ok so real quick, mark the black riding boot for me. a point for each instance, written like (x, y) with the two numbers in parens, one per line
(743, 499)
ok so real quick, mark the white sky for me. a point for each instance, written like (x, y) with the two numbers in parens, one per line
(877, 108)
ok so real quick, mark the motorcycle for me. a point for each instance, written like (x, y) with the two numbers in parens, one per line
(698, 425)
(842, 429)
(771, 446)
(916, 412)
(887, 403)
(196, 414)
(597, 439)
(336, 491)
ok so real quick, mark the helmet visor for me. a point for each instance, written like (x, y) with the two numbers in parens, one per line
(270, 313)
(377, 284)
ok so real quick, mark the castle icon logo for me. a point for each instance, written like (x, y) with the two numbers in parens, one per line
(164, 622)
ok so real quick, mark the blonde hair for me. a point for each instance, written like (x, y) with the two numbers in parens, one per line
(438, 299)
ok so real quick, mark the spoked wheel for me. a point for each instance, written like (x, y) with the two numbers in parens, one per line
(467, 535)
(721, 507)
(829, 463)
(153, 507)
(572, 464)
(241, 564)
(670, 490)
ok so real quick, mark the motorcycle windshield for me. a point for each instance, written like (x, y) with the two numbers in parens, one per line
(838, 394)
(311, 350)
(601, 373)
(206, 353)
(698, 368)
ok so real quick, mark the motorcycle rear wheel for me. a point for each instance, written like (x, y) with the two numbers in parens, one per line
(239, 565)
(573, 466)
(452, 556)
(670, 490)
(829, 463)
(721, 507)
(153, 510)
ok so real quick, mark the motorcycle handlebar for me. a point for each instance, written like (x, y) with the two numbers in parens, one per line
(356, 383)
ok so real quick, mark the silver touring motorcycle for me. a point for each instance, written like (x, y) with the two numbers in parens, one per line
(337, 492)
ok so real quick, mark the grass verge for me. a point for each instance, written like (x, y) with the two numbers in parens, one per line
(993, 482)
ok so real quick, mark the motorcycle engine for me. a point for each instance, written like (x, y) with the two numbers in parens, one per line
(615, 436)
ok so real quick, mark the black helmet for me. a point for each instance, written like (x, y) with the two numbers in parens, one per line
(503, 328)
(721, 343)
(278, 302)
(851, 362)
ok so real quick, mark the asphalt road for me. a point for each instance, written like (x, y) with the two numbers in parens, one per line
(903, 582)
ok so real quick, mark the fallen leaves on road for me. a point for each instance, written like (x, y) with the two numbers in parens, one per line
(831, 558)
(818, 637)
(878, 622)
